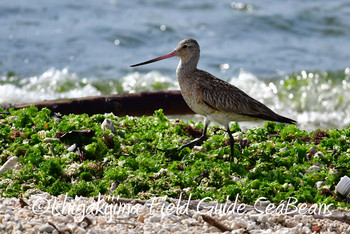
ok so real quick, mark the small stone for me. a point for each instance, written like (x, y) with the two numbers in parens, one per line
(141, 218)
(283, 149)
(27, 226)
(253, 216)
(241, 223)
(251, 226)
(319, 184)
(72, 147)
(48, 156)
(163, 231)
(237, 179)
(306, 230)
(288, 223)
(175, 228)
(213, 229)
(314, 167)
(9, 164)
(154, 219)
(72, 226)
(80, 230)
(187, 190)
(199, 149)
(113, 186)
(46, 228)
(7, 217)
(3, 209)
(319, 154)
(190, 222)
(237, 134)
(316, 228)
(9, 227)
(281, 218)
(108, 124)
(47, 140)
(313, 150)
(263, 218)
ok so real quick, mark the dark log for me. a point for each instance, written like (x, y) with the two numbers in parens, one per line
(135, 104)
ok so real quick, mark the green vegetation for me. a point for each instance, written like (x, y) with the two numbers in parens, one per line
(72, 154)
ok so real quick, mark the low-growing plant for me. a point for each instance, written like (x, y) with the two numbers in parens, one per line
(275, 161)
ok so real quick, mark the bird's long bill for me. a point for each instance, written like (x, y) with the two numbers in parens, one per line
(171, 54)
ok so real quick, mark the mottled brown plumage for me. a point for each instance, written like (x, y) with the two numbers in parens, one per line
(211, 97)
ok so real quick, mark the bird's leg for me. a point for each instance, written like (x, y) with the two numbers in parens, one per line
(194, 142)
(232, 142)
(197, 140)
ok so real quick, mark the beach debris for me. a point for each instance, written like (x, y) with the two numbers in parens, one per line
(108, 124)
(9, 164)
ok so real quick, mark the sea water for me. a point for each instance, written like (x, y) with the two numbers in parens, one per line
(291, 55)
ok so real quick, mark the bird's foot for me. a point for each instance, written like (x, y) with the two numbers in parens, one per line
(173, 152)
(235, 151)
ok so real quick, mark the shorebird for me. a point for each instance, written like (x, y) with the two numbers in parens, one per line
(215, 99)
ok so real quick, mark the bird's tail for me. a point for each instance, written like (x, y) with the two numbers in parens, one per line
(283, 119)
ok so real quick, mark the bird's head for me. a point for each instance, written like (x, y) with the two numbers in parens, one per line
(186, 49)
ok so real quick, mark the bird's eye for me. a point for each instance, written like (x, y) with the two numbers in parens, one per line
(184, 46)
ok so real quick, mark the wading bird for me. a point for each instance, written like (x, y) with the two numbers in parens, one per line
(212, 97)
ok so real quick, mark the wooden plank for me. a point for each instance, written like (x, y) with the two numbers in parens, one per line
(134, 104)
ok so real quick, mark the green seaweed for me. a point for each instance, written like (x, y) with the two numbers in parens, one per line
(272, 162)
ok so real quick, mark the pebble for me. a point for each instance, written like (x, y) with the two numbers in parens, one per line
(319, 184)
(241, 223)
(237, 134)
(313, 168)
(141, 218)
(47, 140)
(72, 147)
(283, 149)
(154, 219)
(9, 164)
(21, 220)
(46, 228)
(319, 154)
(263, 218)
(197, 148)
(107, 124)
(313, 150)
(80, 230)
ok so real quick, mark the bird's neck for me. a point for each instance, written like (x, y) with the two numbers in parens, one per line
(187, 66)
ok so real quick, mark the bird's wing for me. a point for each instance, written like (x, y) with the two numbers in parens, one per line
(222, 96)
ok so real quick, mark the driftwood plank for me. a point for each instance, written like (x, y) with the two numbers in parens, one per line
(135, 104)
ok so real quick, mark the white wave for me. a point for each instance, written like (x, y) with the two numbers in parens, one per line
(315, 102)
(58, 84)
(52, 84)
(136, 82)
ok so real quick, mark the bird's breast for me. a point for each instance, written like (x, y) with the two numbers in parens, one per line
(191, 93)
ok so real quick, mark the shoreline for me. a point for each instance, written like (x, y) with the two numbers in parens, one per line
(18, 215)
(84, 156)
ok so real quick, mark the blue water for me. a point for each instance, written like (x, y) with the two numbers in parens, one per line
(61, 48)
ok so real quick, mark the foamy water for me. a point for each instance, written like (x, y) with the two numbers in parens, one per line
(291, 55)
(315, 100)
